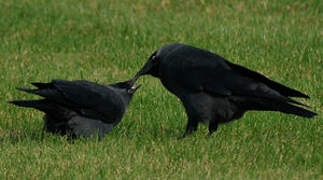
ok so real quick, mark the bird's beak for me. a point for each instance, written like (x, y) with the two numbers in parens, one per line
(144, 70)
(134, 79)
(134, 88)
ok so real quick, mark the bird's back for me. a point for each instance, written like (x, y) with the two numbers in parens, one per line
(80, 106)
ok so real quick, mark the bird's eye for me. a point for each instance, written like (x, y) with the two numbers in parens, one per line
(154, 58)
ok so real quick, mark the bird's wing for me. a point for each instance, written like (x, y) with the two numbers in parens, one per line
(201, 70)
(83, 93)
(88, 99)
(190, 68)
(283, 90)
(93, 99)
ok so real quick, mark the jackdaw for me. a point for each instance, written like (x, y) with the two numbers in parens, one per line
(214, 90)
(80, 108)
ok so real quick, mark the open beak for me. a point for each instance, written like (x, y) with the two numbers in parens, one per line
(134, 88)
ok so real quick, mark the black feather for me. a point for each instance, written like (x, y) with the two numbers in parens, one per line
(214, 90)
(79, 108)
(283, 90)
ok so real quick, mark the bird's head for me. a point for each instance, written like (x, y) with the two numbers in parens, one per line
(125, 89)
(151, 67)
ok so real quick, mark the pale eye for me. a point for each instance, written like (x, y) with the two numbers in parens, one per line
(154, 58)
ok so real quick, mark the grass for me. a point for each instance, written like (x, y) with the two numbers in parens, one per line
(108, 41)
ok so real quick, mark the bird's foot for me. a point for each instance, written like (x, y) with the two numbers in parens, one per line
(209, 135)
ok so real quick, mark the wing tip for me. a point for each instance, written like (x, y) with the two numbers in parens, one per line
(310, 114)
(301, 95)
(298, 103)
(18, 102)
(11, 102)
(41, 85)
(24, 89)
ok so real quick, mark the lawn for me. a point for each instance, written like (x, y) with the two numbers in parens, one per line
(109, 41)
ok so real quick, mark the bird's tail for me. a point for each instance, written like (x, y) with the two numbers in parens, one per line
(291, 109)
(41, 105)
(52, 109)
(288, 107)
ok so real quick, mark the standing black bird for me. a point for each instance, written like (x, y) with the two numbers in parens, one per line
(214, 90)
(80, 108)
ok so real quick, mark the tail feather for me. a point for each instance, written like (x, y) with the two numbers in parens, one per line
(37, 104)
(32, 91)
(48, 93)
(261, 104)
(291, 109)
(55, 110)
(42, 85)
(299, 103)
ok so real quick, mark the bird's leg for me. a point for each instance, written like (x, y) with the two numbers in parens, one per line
(192, 125)
(213, 126)
(192, 112)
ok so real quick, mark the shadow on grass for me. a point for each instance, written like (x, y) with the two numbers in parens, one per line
(129, 131)
(132, 130)
(16, 136)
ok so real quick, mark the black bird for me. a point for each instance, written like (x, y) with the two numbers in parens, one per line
(80, 108)
(214, 90)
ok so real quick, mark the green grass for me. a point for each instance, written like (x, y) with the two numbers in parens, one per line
(108, 41)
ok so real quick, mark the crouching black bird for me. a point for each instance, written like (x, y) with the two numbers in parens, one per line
(214, 90)
(80, 108)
